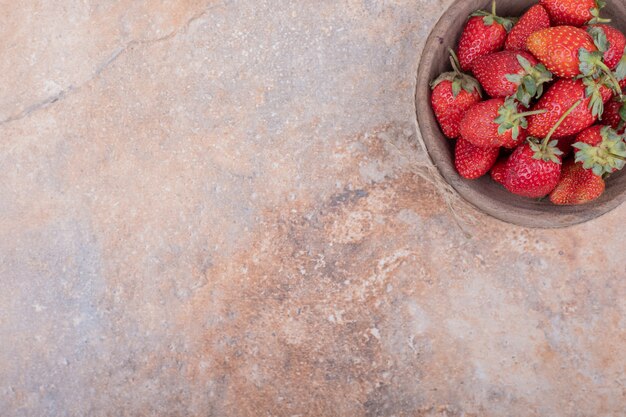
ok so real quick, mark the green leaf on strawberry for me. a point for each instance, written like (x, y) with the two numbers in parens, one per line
(599, 38)
(531, 83)
(551, 152)
(491, 17)
(592, 66)
(603, 156)
(460, 81)
(591, 63)
(592, 89)
(509, 118)
(595, 12)
(547, 149)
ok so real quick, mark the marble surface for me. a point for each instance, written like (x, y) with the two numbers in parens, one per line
(219, 208)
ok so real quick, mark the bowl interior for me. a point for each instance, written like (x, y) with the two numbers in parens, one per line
(484, 193)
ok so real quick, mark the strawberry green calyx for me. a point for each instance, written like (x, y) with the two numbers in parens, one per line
(460, 81)
(509, 118)
(548, 150)
(593, 66)
(620, 71)
(606, 157)
(590, 63)
(491, 18)
(530, 82)
(595, 12)
(599, 38)
(592, 89)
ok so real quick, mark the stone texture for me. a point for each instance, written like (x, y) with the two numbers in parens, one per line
(215, 209)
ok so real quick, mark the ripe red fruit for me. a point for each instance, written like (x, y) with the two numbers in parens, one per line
(493, 123)
(573, 12)
(508, 73)
(609, 55)
(577, 186)
(498, 172)
(610, 41)
(600, 149)
(561, 96)
(533, 170)
(565, 144)
(453, 93)
(603, 90)
(483, 34)
(528, 176)
(472, 161)
(536, 18)
(612, 115)
(558, 48)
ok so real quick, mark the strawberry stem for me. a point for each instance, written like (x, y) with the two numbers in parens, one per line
(491, 18)
(530, 113)
(595, 12)
(601, 20)
(546, 140)
(611, 76)
(454, 60)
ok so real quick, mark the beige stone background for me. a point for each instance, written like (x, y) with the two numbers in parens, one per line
(214, 208)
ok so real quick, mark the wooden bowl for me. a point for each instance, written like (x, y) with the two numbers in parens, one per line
(484, 193)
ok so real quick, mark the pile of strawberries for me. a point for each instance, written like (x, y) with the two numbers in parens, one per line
(552, 116)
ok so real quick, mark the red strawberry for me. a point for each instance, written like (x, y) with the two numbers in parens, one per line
(559, 49)
(601, 88)
(453, 93)
(577, 186)
(536, 18)
(561, 96)
(618, 76)
(529, 176)
(612, 115)
(483, 34)
(610, 41)
(534, 169)
(599, 65)
(471, 161)
(573, 12)
(493, 123)
(600, 149)
(565, 144)
(498, 172)
(509, 73)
